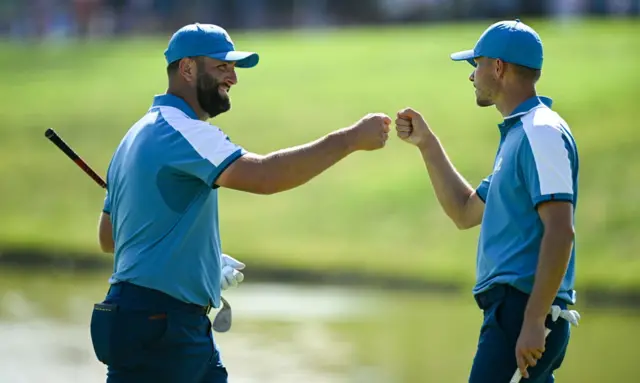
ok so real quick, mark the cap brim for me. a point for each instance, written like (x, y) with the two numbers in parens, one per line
(468, 56)
(242, 59)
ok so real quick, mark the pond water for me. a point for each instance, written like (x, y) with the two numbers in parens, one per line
(287, 333)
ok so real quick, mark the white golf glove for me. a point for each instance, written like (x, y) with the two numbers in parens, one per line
(231, 275)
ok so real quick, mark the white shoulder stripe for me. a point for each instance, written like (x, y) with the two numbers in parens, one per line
(549, 152)
(207, 140)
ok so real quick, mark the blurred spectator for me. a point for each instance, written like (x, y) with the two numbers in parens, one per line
(89, 18)
(84, 11)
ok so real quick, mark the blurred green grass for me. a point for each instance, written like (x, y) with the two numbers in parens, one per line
(373, 212)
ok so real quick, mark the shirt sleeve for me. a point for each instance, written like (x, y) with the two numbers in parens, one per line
(483, 188)
(544, 163)
(205, 151)
(107, 204)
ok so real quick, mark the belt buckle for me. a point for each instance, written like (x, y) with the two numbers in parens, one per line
(207, 309)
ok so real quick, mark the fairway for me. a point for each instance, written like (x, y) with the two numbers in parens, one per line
(374, 212)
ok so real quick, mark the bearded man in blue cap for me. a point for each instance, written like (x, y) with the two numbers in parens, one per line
(526, 206)
(160, 214)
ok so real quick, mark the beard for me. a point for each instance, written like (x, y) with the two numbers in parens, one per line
(211, 100)
(483, 102)
(484, 95)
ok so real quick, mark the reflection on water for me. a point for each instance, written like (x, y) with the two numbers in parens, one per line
(280, 333)
(293, 333)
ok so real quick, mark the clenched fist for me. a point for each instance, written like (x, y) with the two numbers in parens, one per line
(411, 127)
(370, 132)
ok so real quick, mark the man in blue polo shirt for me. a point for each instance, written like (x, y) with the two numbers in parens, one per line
(525, 260)
(160, 216)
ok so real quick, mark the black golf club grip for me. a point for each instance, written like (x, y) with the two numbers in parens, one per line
(57, 141)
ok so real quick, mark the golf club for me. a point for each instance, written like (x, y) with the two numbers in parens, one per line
(571, 316)
(222, 321)
(57, 141)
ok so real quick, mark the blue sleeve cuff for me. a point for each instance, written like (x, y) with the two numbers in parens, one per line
(552, 197)
(481, 192)
(225, 164)
(106, 207)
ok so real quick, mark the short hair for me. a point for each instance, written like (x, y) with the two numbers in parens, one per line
(175, 65)
(526, 73)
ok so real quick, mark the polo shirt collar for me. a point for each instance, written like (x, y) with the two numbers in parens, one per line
(175, 102)
(525, 107)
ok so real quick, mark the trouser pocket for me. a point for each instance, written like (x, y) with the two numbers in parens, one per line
(124, 337)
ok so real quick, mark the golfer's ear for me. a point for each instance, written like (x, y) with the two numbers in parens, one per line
(500, 67)
(188, 69)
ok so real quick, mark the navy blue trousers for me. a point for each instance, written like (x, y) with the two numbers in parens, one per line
(495, 359)
(144, 335)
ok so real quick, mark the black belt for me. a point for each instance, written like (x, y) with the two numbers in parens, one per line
(496, 293)
(205, 310)
(159, 298)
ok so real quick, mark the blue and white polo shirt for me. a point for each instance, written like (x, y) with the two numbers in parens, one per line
(537, 161)
(163, 202)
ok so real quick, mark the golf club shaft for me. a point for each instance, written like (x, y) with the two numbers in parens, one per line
(66, 149)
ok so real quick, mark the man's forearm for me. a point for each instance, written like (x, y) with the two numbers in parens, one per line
(451, 189)
(105, 233)
(555, 252)
(289, 168)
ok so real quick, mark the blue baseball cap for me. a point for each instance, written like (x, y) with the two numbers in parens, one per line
(207, 40)
(511, 41)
